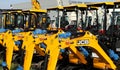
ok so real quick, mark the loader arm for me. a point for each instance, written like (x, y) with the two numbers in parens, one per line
(28, 45)
(53, 47)
(86, 39)
(53, 50)
(31, 43)
(8, 42)
(91, 41)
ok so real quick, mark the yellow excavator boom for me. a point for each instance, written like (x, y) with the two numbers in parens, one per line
(35, 4)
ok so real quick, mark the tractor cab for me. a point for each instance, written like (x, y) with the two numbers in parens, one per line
(65, 21)
(56, 18)
(76, 21)
(12, 19)
(115, 25)
(103, 17)
(92, 23)
(35, 19)
(117, 22)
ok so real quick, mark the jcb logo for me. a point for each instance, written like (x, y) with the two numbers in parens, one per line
(83, 42)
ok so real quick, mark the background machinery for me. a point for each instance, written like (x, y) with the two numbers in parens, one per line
(30, 40)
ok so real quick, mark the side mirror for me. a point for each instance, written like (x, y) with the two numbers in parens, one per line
(107, 11)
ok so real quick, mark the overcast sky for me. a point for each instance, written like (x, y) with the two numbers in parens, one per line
(93, 0)
(6, 3)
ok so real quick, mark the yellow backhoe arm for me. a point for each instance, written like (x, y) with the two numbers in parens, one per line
(91, 41)
(9, 43)
(35, 5)
(88, 40)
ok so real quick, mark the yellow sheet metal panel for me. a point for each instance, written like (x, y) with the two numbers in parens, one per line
(35, 10)
(41, 10)
(101, 3)
(75, 6)
(54, 8)
(92, 8)
(12, 11)
(82, 5)
(16, 11)
(109, 3)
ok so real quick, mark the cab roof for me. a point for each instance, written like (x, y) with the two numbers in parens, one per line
(117, 4)
(12, 11)
(100, 4)
(56, 8)
(75, 6)
(92, 8)
(35, 10)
